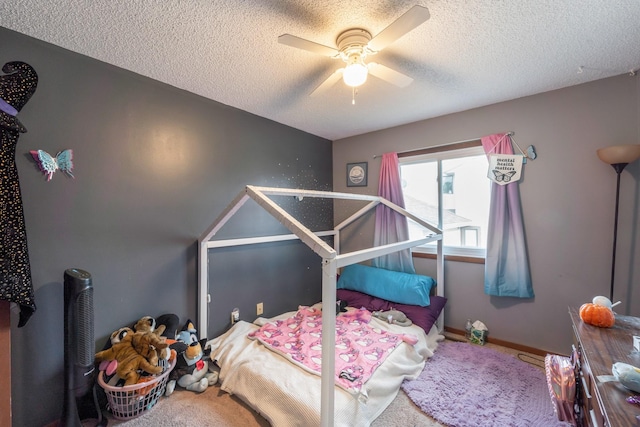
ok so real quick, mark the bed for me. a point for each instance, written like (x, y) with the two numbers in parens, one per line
(300, 397)
(288, 396)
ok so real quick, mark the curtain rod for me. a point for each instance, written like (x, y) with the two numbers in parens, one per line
(436, 147)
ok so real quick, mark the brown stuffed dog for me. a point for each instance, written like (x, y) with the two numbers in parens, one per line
(129, 359)
(148, 324)
(151, 346)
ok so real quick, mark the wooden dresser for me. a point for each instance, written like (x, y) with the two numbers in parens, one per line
(604, 403)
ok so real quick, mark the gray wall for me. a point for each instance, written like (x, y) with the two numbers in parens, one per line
(154, 166)
(568, 198)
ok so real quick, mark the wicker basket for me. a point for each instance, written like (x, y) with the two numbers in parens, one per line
(130, 401)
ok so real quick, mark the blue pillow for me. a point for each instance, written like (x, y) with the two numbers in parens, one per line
(403, 288)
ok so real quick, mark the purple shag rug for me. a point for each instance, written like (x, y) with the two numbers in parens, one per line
(466, 385)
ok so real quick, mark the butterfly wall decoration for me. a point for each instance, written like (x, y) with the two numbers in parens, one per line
(531, 152)
(503, 177)
(49, 164)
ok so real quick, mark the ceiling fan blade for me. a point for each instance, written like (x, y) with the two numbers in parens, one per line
(325, 85)
(310, 46)
(387, 74)
(398, 28)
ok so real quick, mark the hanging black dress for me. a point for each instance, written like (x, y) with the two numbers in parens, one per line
(16, 87)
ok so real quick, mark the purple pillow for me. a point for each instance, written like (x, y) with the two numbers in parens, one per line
(424, 317)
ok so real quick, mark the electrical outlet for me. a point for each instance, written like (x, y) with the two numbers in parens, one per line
(259, 309)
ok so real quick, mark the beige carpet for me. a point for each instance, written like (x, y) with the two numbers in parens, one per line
(215, 408)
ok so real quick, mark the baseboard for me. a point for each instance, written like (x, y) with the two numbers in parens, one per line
(503, 343)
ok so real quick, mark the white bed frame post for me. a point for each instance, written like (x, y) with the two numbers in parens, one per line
(331, 261)
(327, 407)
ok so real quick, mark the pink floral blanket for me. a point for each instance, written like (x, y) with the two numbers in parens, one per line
(360, 348)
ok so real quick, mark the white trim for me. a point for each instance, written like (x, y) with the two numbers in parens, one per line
(331, 261)
(453, 250)
(453, 153)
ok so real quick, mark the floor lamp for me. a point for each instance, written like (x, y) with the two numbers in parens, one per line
(618, 156)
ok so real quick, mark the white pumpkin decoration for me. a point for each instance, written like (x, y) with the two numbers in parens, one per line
(600, 300)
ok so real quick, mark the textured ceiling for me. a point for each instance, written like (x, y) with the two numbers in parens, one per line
(468, 54)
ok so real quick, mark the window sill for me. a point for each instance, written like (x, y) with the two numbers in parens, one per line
(457, 258)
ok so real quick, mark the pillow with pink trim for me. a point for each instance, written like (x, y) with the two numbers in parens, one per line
(424, 317)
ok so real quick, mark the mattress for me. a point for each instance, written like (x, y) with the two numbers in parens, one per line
(287, 395)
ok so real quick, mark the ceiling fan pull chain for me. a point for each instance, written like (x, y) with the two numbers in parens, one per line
(353, 97)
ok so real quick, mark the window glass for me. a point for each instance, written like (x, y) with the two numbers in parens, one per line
(465, 192)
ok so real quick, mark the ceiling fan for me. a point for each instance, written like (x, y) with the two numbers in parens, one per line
(355, 44)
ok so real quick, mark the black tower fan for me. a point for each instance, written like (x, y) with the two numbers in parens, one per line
(78, 342)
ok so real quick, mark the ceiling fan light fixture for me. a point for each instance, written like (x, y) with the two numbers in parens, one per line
(355, 44)
(355, 73)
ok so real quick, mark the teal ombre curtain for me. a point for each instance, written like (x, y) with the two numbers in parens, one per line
(506, 270)
(391, 227)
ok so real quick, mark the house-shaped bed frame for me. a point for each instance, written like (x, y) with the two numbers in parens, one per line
(331, 261)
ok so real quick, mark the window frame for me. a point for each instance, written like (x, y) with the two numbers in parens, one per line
(439, 153)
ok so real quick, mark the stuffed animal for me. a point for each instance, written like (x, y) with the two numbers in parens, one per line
(116, 336)
(155, 349)
(192, 371)
(171, 322)
(129, 360)
(148, 324)
(165, 327)
(395, 317)
(628, 375)
(151, 346)
(341, 307)
(109, 366)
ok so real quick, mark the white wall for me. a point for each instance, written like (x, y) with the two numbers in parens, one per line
(568, 198)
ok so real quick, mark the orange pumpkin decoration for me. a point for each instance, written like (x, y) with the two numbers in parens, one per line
(597, 315)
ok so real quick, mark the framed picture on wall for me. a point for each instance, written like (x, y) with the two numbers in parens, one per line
(357, 174)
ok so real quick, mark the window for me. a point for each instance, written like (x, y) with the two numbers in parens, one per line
(465, 193)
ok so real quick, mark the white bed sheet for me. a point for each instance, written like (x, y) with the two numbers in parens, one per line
(288, 396)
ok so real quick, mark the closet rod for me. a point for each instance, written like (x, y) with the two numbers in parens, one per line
(436, 148)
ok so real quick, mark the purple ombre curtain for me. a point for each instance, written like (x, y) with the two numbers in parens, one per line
(506, 270)
(391, 227)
